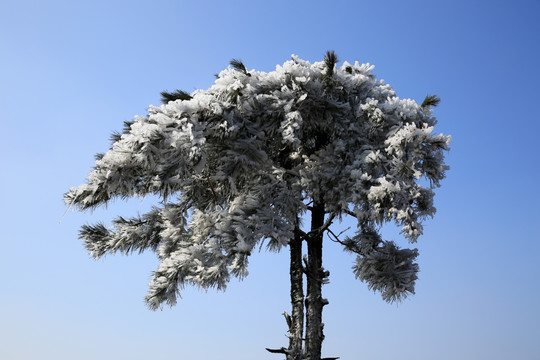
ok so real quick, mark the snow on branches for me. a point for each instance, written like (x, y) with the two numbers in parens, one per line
(237, 163)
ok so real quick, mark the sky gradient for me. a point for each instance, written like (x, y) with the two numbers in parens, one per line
(72, 71)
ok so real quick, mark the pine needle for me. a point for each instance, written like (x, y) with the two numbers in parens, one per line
(431, 100)
(330, 60)
(115, 136)
(127, 127)
(166, 96)
(238, 65)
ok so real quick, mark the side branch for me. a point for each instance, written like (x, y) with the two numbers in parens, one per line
(278, 351)
(349, 212)
(303, 235)
(318, 232)
(348, 244)
(336, 237)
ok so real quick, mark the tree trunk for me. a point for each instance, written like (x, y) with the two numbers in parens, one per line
(296, 322)
(315, 276)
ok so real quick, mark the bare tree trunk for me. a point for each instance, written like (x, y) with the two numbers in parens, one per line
(296, 323)
(315, 276)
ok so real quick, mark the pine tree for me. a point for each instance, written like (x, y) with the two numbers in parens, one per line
(238, 165)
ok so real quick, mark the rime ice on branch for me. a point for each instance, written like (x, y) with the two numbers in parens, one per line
(239, 163)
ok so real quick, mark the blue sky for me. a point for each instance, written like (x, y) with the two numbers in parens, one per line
(72, 71)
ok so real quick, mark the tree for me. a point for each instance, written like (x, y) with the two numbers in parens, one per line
(239, 165)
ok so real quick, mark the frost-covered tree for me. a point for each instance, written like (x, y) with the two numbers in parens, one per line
(239, 165)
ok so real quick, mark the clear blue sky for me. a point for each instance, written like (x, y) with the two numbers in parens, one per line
(72, 71)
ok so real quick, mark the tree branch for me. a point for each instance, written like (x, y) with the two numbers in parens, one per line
(324, 227)
(321, 276)
(349, 212)
(288, 320)
(278, 351)
(349, 246)
(336, 237)
(303, 234)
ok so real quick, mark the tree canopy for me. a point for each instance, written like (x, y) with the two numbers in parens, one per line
(236, 165)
